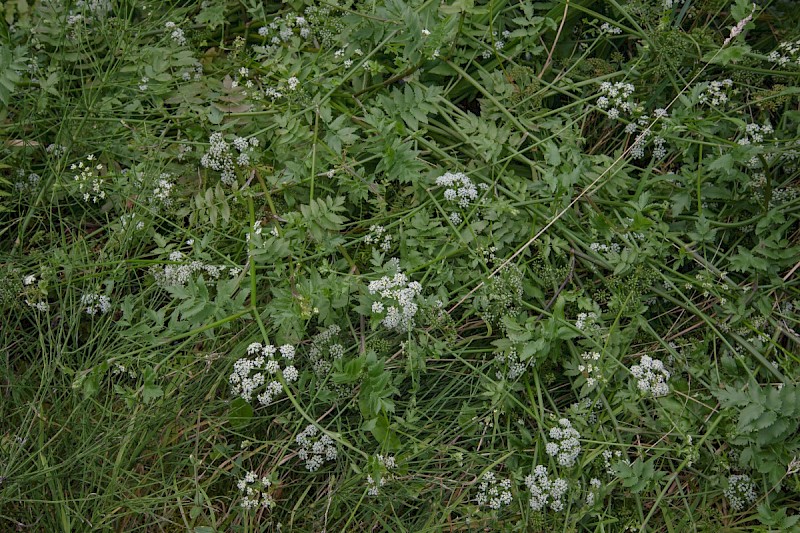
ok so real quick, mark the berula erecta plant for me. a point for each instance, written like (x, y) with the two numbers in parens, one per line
(399, 265)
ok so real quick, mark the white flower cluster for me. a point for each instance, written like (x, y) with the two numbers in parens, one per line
(639, 142)
(493, 492)
(387, 464)
(163, 189)
(544, 490)
(183, 149)
(716, 93)
(284, 28)
(257, 230)
(96, 7)
(96, 304)
(255, 491)
(272, 93)
(177, 34)
(509, 365)
(651, 376)
(754, 133)
(605, 248)
(327, 23)
(607, 456)
(628, 223)
(741, 491)
(378, 236)
(72, 19)
(323, 351)
(458, 188)
(41, 305)
(589, 368)
(250, 374)
(499, 44)
(27, 185)
(586, 321)
(56, 150)
(565, 446)
(615, 98)
(315, 449)
(90, 183)
(90, 9)
(609, 29)
(594, 486)
(339, 54)
(787, 52)
(489, 254)
(131, 220)
(195, 73)
(659, 148)
(398, 305)
(177, 275)
(220, 155)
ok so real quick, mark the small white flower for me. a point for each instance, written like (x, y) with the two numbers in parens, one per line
(565, 446)
(741, 492)
(290, 374)
(545, 490)
(40, 306)
(399, 300)
(315, 451)
(651, 376)
(493, 493)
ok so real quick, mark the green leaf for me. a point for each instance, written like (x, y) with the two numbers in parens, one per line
(741, 9)
(240, 413)
(729, 54)
(745, 261)
(211, 16)
(379, 427)
(748, 415)
(90, 385)
(12, 63)
(723, 163)
(151, 392)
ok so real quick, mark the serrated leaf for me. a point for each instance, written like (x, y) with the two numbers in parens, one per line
(730, 54)
(150, 392)
(731, 397)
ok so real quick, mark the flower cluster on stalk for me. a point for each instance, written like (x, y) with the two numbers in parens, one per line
(226, 157)
(315, 448)
(564, 444)
(493, 492)
(255, 491)
(257, 375)
(398, 303)
(651, 376)
(545, 491)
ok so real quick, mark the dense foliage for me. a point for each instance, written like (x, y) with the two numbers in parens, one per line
(399, 265)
